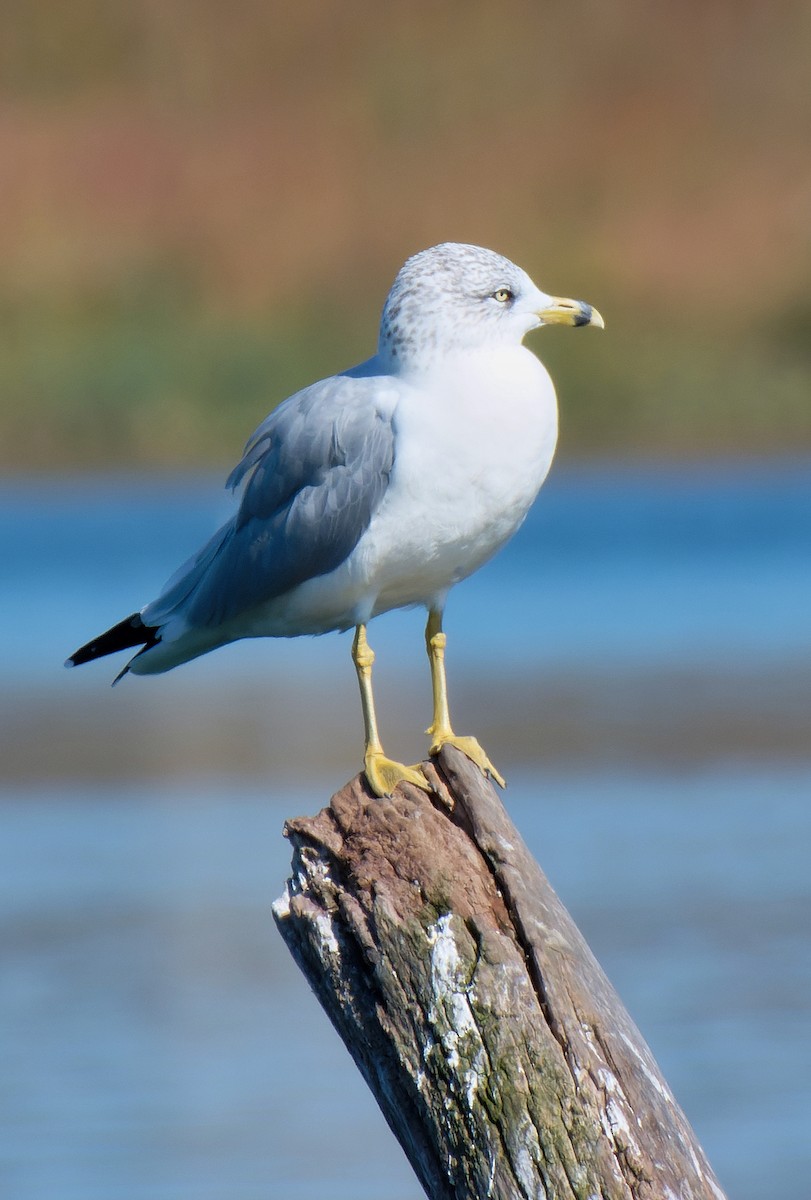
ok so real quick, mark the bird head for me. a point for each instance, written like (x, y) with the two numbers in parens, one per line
(455, 297)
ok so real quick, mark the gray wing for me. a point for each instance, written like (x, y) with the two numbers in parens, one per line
(312, 476)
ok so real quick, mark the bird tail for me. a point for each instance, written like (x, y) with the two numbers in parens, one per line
(130, 632)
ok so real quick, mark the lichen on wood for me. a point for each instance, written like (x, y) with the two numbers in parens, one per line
(497, 1050)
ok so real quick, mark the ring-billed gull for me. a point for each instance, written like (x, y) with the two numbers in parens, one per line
(379, 488)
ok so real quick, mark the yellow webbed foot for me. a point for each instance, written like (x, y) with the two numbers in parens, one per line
(384, 774)
(471, 748)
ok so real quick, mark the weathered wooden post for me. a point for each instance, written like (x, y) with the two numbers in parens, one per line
(501, 1056)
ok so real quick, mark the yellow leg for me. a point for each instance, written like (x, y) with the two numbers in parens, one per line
(382, 773)
(440, 730)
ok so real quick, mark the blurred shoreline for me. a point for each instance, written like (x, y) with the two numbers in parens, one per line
(202, 216)
(275, 728)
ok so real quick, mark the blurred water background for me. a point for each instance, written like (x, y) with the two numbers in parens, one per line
(637, 662)
(201, 208)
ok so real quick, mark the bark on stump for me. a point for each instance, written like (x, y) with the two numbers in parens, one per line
(498, 1051)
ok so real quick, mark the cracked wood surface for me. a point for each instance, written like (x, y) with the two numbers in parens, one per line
(498, 1051)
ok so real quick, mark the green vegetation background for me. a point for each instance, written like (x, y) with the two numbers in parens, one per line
(202, 207)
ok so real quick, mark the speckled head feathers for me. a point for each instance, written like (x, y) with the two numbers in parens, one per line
(445, 299)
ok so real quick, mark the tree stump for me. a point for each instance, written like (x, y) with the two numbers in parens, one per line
(498, 1051)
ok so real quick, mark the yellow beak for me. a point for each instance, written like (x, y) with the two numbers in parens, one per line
(560, 311)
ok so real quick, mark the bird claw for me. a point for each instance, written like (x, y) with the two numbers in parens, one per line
(384, 774)
(472, 750)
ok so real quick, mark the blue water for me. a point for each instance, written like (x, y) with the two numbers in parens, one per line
(155, 1039)
(623, 565)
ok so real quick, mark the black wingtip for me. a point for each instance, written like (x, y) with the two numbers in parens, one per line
(125, 670)
(127, 633)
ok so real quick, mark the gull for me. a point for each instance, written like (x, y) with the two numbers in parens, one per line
(378, 488)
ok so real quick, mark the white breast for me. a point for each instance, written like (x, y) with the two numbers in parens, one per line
(471, 455)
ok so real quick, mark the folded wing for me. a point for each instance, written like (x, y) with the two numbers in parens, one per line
(311, 476)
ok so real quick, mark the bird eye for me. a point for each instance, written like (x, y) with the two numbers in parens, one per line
(503, 295)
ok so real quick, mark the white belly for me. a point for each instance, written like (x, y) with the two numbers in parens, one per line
(470, 459)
